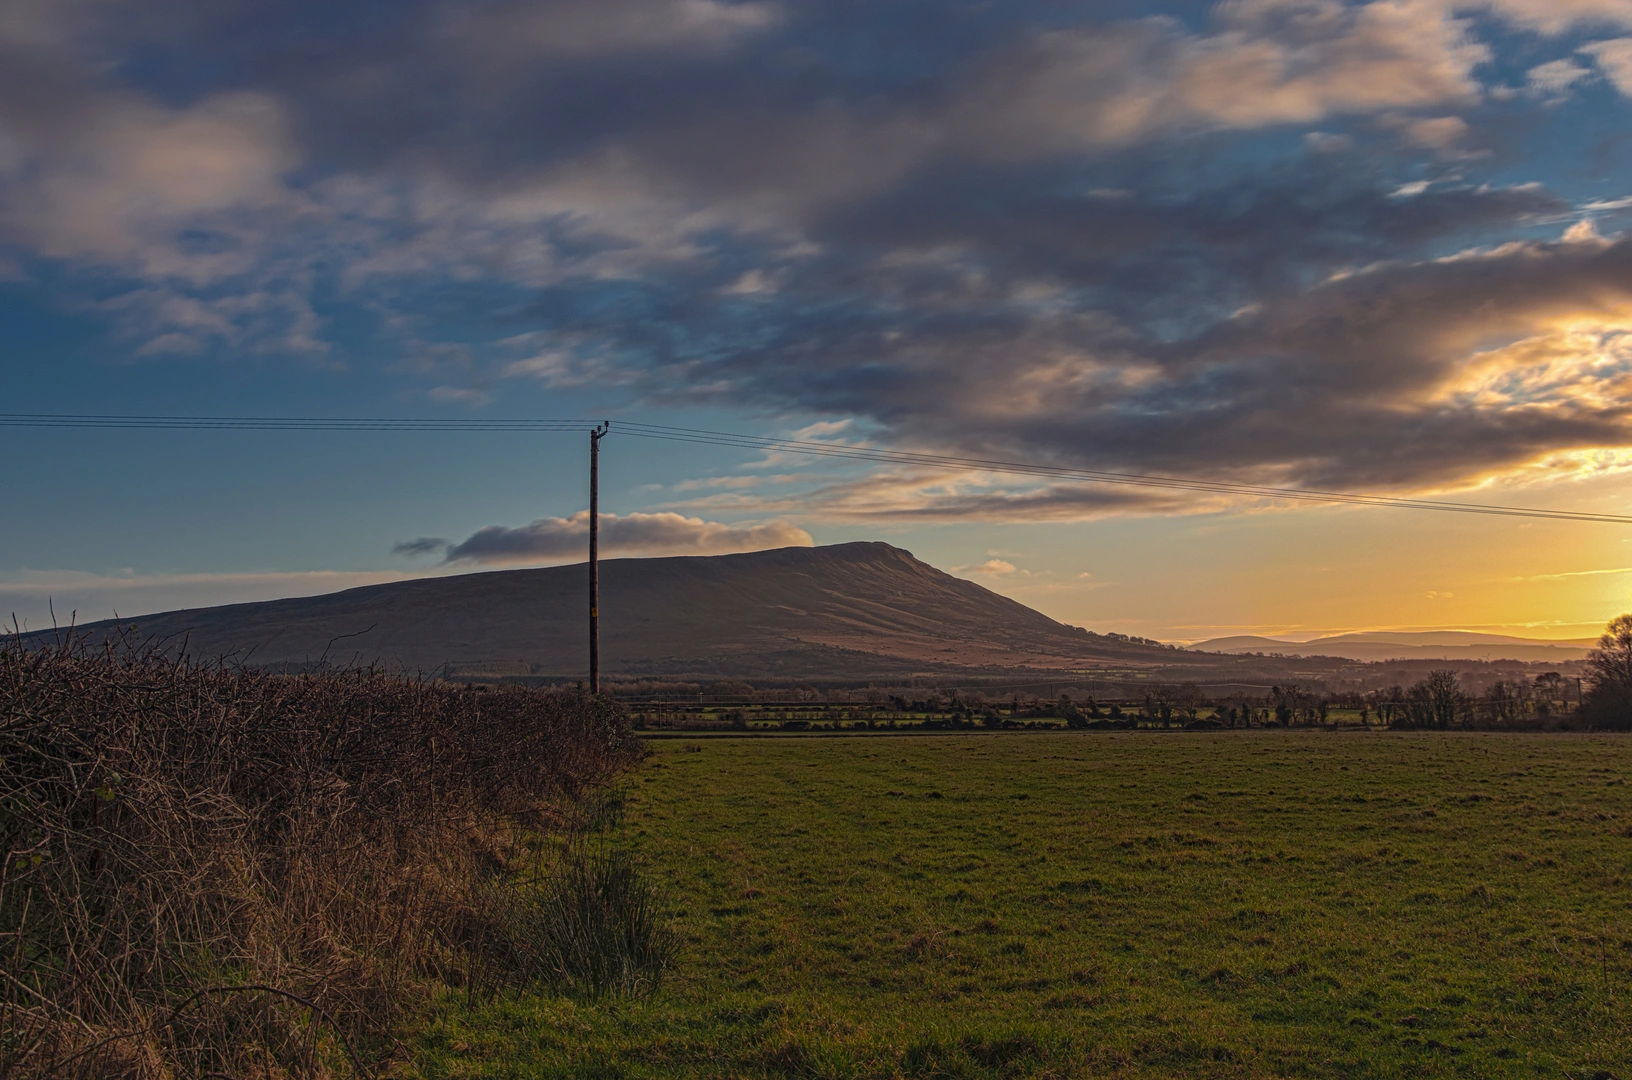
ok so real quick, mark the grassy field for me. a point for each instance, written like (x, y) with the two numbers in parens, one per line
(1238, 904)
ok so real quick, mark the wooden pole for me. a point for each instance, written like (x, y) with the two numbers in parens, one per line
(595, 436)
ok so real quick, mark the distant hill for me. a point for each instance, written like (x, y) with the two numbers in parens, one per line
(833, 611)
(1410, 645)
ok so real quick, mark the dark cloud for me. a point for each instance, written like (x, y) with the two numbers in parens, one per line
(1395, 376)
(551, 539)
(1217, 239)
(422, 545)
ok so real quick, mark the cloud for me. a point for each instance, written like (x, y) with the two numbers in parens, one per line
(991, 567)
(420, 545)
(1614, 58)
(632, 534)
(1169, 243)
(1405, 376)
(1615, 572)
(1584, 231)
(1554, 79)
(124, 176)
(460, 395)
(1270, 62)
(1558, 16)
(515, 31)
(1324, 142)
(469, 148)
(895, 496)
(1446, 134)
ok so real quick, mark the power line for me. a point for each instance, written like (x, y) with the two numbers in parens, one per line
(279, 423)
(803, 447)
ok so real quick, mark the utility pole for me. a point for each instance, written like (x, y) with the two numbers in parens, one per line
(595, 437)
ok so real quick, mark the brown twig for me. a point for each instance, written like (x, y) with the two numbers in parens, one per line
(325, 831)
(197, 995)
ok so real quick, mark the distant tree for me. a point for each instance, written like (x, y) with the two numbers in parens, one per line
(1396, 697)
(1415, 710)
(1281, 699)
(1159, 703)
(1187, 696)
(1447, 697)
(1505, 702)
(1550, 685)
(1609, 668)
(1068, 711)
(1434, 702)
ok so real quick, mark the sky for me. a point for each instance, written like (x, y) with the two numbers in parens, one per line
(1375, 247)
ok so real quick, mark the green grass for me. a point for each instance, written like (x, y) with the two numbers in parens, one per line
(1233, 904)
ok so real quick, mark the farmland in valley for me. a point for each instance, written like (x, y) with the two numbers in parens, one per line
(1312, 903)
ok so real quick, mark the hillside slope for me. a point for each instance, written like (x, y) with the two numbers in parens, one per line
(1368, 646)
(788, 611)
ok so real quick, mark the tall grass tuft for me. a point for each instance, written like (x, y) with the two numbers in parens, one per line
(218, 871)
(593, 927)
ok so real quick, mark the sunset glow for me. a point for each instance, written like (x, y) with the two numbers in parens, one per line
(1374, 246)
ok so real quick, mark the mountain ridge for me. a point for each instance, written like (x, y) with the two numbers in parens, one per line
(768, 612)
(1374, 645)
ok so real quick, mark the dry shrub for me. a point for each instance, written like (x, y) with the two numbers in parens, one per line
(218, 871)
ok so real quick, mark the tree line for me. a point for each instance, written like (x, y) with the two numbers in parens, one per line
(1602, 700)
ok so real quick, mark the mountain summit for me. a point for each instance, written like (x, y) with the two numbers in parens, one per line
(833, 611)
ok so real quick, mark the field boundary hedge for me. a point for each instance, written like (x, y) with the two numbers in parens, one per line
(214, 870)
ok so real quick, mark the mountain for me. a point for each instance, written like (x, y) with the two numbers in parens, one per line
(1411, 645)
(835, 610)
(1453, 638)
